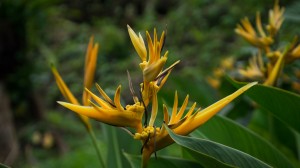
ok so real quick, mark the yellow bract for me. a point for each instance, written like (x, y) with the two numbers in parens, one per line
(110, 112)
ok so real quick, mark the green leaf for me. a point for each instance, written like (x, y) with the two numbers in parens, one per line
(117, 140)
(231, 134)
(135, 162)
(283, 104)
(210, 152)
(275, 132)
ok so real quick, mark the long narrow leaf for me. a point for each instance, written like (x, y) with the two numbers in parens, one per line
(283, 104)
(236, 136)
(206, 150)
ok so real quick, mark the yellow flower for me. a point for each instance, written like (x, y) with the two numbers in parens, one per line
(152, 63)
(110, 112)
(261, 39)
(247, 31)
(90, 65)
(156, 138)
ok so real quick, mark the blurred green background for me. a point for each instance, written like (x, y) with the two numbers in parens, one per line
(35, 131)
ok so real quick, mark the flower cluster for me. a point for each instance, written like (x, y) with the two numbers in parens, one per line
(264, 40)
(112, 112)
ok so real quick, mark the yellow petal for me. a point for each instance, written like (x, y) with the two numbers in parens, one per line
(259, 26)
(104, 95)
(91, 67)
(166, 114)
(89, 73)
(248, 26)
(89, 50)
(188, 114)
(154, 109)
(174, 111)
(152, 70)
(63, 87)
(272, 78)
(150, 45)
(182, 109)
(207, 113)
(68, 95)
(117, 98)
(101, 102)
(112, 117)
(138, 44)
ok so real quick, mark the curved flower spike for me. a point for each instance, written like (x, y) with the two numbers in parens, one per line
(184, 125)
(110, 113)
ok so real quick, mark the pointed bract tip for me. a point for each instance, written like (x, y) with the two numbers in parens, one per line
(61, 103)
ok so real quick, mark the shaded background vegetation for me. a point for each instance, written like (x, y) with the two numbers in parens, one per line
(35, 131)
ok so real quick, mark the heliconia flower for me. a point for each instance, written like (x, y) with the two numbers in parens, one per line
(152, 63)
(246, 30)
(110, 112)
(262, 39)
(156, 138)
(90, 66)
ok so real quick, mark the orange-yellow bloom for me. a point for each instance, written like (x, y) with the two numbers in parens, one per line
(152, 63)
(179, 124)
(261, 39)
(110, 112)
(90, 66)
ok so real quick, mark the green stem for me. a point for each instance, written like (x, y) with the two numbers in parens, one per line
(116, 147)
(145, 158)
(96, 146)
